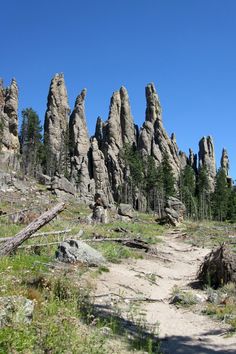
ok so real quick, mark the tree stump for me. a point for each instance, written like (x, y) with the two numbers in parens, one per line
(218, 267)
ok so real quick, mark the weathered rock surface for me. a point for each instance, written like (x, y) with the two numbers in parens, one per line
(15, 309)
(153, 139)
(73, 251)
(224, 162)
(116, 132)
(174, 211)
(56, 125)
(79, 145)
(60, 183)
(192, 160)
(9, 118)
(207, 159)
(99, 172)
(126, 210)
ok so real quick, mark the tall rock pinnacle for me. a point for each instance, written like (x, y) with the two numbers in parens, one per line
(153, 110)
(56, 125)
(224, 162)
(100, 175)
(79, 144)
(117, 131)
(207, 159)
(9, 118)
(153, 139)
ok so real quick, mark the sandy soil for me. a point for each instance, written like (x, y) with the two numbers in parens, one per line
(181, 330)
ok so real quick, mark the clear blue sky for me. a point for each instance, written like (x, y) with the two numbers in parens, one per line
(186, 47)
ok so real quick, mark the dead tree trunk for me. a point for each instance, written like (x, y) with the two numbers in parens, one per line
(23, 235)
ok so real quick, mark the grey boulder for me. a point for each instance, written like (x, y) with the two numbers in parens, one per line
(73, 251)
(125, 210)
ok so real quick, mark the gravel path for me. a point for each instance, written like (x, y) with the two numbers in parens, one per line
(181, 330)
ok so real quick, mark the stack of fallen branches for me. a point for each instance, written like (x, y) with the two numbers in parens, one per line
(129, 242)
(13, 243)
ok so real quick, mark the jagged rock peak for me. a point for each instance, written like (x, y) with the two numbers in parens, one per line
(78, 130)
(207, 158)
(120, 127)
(225, 161)
(56, 124)
(99, 129)
(9, 117)
(79, 145)
(81, 98)
(57, 96)
(153, 110)
(192, 160)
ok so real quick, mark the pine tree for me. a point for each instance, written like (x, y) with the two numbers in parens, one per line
(187, 187)
(31, 141)
(220, 196)
(150, 182)
(134, 173)
(167, 176)
(231, 207)
(203, 194)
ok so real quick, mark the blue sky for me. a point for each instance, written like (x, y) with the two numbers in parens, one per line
(186, 47)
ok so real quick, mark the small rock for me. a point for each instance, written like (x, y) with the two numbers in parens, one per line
(106, 331)
(15, 309)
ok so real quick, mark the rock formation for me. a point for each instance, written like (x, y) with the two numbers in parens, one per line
(9, 118)
(192, 160)
(79, 145)
(100, 173)
(153, 139)
(207, 159)
(97, 165)
(56, 126)
(116, 132)
(224, 162)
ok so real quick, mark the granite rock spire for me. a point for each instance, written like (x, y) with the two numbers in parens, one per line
(56, 126)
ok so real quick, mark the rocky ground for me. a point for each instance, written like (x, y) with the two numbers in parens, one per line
(142, 302)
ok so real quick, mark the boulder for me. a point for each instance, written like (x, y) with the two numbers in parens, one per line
(126, 210)
(73, 251)
(62, 184)
(15, 309)
(173, 212)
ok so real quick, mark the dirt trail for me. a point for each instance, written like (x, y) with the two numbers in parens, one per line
(181, 330)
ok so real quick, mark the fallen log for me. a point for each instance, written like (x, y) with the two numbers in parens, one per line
(132, 243)
(11, 245)
(39, 234)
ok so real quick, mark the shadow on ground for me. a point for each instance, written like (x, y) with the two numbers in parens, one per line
(140, 337)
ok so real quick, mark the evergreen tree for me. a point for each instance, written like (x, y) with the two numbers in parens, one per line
(134, 173)
(31, 141)
(187, 187)
(167, 177)
(220, 196)
(203, 194)
(231, 207)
